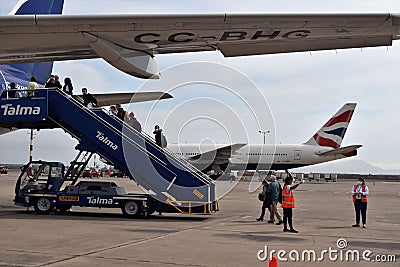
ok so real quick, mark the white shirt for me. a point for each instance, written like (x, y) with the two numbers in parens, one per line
(358, 190)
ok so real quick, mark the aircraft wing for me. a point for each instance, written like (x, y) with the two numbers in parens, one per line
(113, 99)
(218, 156)
(130, 42)
(341, 150)
(126, 98)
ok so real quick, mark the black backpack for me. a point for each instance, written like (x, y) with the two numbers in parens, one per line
(261, 196)
(164, 142)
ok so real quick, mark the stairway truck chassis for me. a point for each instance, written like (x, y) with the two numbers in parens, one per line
(42, 185)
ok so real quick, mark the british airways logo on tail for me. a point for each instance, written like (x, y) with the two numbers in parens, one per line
(334, 130)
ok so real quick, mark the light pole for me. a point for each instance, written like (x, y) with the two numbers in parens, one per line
(32, 136)
(263, 132)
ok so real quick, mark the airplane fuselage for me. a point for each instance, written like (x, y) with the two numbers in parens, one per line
(260, 156)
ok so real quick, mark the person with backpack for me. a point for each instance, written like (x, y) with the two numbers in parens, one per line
(276, 196)
(265, 197)
(157, 135)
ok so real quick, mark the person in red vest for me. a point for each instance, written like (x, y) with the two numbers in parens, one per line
(360, 192)
(288, 203)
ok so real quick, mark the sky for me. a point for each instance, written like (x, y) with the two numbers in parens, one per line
(289, 95)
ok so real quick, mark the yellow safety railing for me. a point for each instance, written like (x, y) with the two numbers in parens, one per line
(208, 207)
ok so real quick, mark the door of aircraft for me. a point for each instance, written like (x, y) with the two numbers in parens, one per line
(297, 154)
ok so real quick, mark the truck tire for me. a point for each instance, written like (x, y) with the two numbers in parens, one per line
(131, 209)
(43, 205)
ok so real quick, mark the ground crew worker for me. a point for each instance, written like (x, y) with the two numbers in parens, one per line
(360, 192)
(288, 203)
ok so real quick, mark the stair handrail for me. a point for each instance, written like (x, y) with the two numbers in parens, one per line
(112, 128)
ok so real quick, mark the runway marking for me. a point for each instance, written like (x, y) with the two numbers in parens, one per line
(16, 265)
(7, 206)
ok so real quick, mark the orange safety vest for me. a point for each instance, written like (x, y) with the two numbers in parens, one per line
(288, 198)
(363, 197)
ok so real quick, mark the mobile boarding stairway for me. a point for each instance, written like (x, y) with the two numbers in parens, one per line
(160, 173)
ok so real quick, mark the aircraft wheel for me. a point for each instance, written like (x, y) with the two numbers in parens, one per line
(131, 209)
(43, 206)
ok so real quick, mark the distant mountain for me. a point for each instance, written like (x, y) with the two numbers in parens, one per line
(346, 166)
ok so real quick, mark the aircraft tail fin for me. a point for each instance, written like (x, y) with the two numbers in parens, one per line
(41, 70)
(32, 7)
(332, 133)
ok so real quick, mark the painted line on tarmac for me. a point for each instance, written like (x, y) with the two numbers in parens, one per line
(7, 206)
(16, 265)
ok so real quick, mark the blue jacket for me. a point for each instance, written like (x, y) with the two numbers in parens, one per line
(274, 190)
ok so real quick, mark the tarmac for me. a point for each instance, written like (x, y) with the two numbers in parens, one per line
(323, 216)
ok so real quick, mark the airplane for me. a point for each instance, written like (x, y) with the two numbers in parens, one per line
(20, 74)
(131, 42)
(323, 146)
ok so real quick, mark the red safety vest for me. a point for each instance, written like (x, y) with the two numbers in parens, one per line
(288, 198)
(363, 197)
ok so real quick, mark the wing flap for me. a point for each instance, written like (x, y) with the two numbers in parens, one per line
(233, 49)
